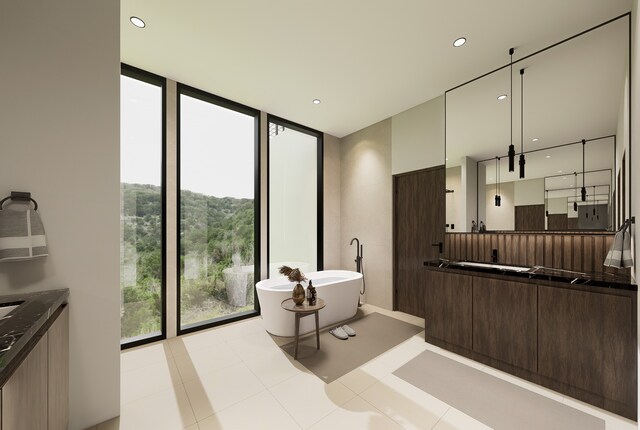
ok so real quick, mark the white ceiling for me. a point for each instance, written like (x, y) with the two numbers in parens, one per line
(365, 60)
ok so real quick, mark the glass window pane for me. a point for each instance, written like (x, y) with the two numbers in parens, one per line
(216, 211)
(141, 252)
(293, 199)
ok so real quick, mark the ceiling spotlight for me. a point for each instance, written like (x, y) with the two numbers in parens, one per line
(316, 101)
(547, 156)
(559, 171)
(502, 96)
(535, 139)
(459, 42)
(137, 22)
(446, 159)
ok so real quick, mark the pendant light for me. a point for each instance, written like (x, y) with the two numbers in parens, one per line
(521, 124)
(583, 192)
(512, 150)
(498, 198)
(575, 191)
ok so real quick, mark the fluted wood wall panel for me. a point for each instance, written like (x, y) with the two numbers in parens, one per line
(578, 252)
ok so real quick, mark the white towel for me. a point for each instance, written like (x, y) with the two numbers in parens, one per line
(619, 254)
(21, 235)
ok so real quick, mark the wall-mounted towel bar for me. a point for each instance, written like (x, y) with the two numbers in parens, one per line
(20, 196)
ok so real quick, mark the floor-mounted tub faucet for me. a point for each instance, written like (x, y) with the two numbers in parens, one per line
(359, 265)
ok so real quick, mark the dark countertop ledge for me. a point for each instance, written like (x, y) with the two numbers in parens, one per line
(603, 280)
(20, 330)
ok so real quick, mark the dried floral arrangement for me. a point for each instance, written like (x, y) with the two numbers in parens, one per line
(294, 275)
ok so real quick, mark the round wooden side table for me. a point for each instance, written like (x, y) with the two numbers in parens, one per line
(302, 311)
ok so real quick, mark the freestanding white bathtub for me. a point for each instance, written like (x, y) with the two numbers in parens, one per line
(339, 289)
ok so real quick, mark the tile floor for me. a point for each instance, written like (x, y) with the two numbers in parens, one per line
(236, 377)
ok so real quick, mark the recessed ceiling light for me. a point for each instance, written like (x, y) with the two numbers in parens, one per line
(559, 171)
(137, 22)
(535, 139)
(446, 159)
(459, 42)
(316, 101)
(502, 96)
(548, 156)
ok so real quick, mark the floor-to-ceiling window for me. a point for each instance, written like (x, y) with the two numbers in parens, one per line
(218, 209)
(142, 206)
(295, 197)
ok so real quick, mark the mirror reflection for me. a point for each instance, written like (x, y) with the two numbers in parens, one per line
(544, 105)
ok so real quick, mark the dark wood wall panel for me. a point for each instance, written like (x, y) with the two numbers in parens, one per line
(557, 222)
(579, 252)
(529, 218)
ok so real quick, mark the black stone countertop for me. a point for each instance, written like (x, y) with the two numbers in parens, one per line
(18, 327)
(606, 280)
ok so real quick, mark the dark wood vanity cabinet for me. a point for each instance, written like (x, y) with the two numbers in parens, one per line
(588, 341)
(448, 305)
(504, 321)
(577, 340)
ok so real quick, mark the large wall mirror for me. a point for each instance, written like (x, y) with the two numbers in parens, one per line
(571, 92)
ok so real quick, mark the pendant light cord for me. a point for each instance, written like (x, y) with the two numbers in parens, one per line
(511, 94)
(583, 143)
(521, 111)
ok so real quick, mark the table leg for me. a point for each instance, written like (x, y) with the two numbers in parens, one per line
(295, 353)
(317, 331)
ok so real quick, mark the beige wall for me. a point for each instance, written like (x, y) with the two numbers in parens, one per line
(454, 212)
(418, 137)
(366, 206)
(332, 238)
(500, 217)
(59, 137)
(529, 192)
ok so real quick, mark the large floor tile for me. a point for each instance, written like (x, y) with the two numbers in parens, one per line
(453, 419)
(253, 345)
(165, 410)
(258, 412)
(135, 358)
(359, 380)
(200, 362)
(220, 389)
(144, 381)
(308, 399)
(407, 405)
(243, 328)
(354, 415)
(192, 342)
(274, 367)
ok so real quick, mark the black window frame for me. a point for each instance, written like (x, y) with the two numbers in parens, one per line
(207, 97)
(153, 79)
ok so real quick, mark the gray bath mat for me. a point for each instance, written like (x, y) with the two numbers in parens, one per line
(375, 334)
(490, 400)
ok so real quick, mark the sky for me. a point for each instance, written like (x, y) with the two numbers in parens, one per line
(216, 144)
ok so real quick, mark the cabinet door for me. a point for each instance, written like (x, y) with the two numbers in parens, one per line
(59, 372)
(448, 307)
(588, 340)
(505, 321)
(24, 396)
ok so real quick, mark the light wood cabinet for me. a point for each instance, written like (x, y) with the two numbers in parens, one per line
(58, 389)
(24, 396)
(36, 396)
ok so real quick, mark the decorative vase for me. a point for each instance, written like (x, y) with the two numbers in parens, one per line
(298, 294)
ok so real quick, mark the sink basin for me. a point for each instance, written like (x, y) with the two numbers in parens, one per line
(7, 308)
(494, 266)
